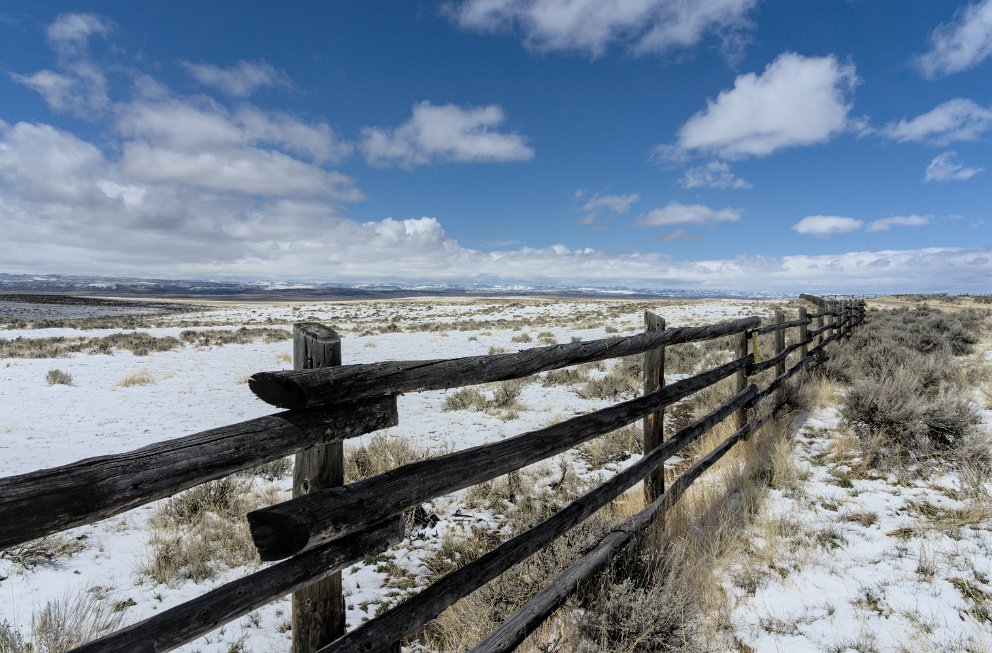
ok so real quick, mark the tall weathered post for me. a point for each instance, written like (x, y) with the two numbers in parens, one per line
(803, 331)
(654, 424)
(318, 609)
(779, 343)
(740, 351)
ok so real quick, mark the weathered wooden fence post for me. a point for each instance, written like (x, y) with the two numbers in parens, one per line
(740, 351)
(819, 325)
(318, 609)
(654, 424)
(803, 349)
(779, 344)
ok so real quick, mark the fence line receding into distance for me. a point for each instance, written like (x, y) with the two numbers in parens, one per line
(328, 526)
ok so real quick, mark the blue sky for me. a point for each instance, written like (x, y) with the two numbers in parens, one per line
(732, 144)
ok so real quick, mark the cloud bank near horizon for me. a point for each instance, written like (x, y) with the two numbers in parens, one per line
(185, 186)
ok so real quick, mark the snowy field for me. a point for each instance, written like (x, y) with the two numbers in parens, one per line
(865, 587)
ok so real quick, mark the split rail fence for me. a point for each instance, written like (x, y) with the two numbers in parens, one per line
(328, 526)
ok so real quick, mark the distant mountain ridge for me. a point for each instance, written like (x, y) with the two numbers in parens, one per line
(135, 287)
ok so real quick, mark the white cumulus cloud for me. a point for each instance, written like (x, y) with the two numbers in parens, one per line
(240, 80)
(963, 43)
(795, 101)
(592, 26)
(945, 167)
(445, 133)
(959, 119)
(826, 225)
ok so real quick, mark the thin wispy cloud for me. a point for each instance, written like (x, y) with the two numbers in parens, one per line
(826, 225)
(715, 174)
(675, 235)
(829, 225)
(884, 224)
(591, 27)
(445, 133)
(597, 209)
(240, 80)
(795, 101)
(77, 86)
(959, 119)
(963, 43)
(618, 204)
(945, 167)
(676, 213)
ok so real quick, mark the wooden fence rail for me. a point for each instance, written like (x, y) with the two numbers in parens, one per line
(328, 526)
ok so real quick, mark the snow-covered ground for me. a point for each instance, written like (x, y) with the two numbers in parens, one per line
(196, 388)
(872, 564)
(843, 562)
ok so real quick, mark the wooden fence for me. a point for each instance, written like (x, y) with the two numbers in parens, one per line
(328, 526)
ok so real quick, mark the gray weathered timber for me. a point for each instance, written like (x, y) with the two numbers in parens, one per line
(187, 621)
(740, 351)
(779, 344)
(533, 613)
(654, 424)
(822, 328)
(50, 500)
(815, 300)
(293, 526)
(303, 388)
(785, 376)
(318, 609)
(803, 333)
(783, 325)
(778, 359)
(415, 612)
(818, 331)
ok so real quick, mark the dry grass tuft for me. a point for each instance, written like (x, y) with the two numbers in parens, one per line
(614, 447)
(200, 531)
(141, 377)
(64, 624)
(380, 454)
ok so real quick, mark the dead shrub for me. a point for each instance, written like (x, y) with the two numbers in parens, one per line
(464, 399)
(44, 550)
(58, 377)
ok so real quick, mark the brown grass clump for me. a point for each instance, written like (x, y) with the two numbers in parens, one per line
(547, 338)
(379, 455)
(199, 531)
(564, 376)
(502, 400)
(624, 381)
(614, 447)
